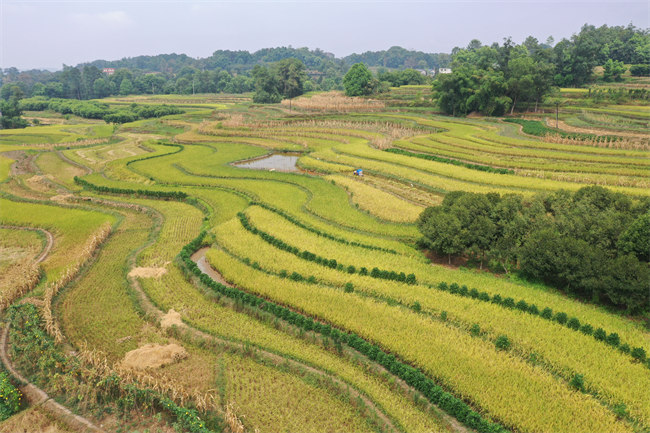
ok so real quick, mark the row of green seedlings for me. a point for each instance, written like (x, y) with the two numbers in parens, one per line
(412, 376)
(319, 232)
(173, 195)
(502, 342)
(436, 158)
(613, 339)
(45, 359)
(323, 261)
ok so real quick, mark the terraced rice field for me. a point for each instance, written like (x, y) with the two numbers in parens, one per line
(304, 334)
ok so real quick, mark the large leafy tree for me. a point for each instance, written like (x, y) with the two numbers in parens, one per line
(358, 80)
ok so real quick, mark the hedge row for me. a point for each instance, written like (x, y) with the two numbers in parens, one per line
(97, 110)
(451, 161)
(176, 195)
(318, 232)
(412, 376)
(547, 313)
(30, 340)
(323, 261)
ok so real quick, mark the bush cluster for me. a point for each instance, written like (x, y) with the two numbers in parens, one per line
(323, 261)
(562, 318)
(97, 110)
(435, 158)
(412, 376)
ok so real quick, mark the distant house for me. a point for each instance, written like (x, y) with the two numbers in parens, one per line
(108, 71)
(444, 70)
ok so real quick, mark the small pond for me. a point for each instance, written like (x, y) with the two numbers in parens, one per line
(276, 161)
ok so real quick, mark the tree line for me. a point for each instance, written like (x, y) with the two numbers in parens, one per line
(592, 243)
(496, 78)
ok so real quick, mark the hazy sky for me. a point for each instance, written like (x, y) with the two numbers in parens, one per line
(47, 34)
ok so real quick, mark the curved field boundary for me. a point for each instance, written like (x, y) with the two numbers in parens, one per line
(49, 240)
(37, 397)
(152, 310)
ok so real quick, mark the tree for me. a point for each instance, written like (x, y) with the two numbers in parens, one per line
(636, 239)
(358, 81)
(266, 86)
(453, 91)
(10, 111)
(442, 231)
(291, 77)
(613, 70)
(126, 87)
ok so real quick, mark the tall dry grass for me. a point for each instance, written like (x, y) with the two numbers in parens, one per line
(18, 279)
(336, 102)
(624, 143)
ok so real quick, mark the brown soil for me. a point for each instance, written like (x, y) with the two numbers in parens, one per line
(147, 272)
(172, 318)
(33, 420)
(61, 198)
(153, 356)
(456, 262)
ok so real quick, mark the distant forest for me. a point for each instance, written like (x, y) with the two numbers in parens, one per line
(569, 63)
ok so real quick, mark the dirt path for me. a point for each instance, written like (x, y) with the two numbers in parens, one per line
(49, 240)
(37, 397)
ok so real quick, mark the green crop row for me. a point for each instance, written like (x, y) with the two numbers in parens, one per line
(430, 157)
(331, 263)
(613, 339)
(319, 232)
(175, 195)
(412, 376)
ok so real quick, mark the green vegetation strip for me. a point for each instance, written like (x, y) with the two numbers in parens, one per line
(177, 195)
(435, 158)
(537, 128)
(330, 263)
(613, 339)
(412, 376)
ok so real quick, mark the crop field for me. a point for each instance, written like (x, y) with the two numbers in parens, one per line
(300, 299)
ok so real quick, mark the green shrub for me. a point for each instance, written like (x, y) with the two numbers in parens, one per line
(10, 397)
(578, 382)
(417, 307)
(547, 313)
(638, 353)
(573, 323)
(475, 329)
(587, 329)
(502, 342)
(600, 334)
(349, 287)
(561, 318)
(443, 316)
(625, 348)
(613, 339)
